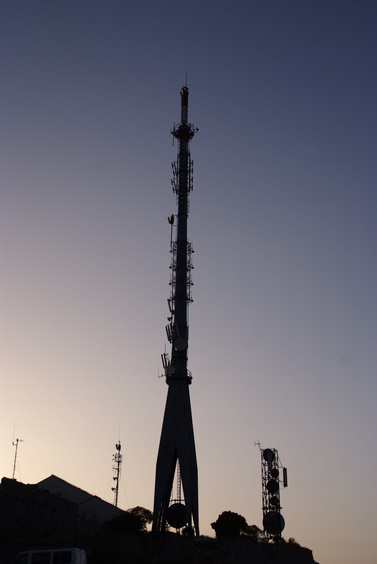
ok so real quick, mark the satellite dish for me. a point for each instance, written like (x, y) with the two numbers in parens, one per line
(170, 369)
(274, 472)
(176, 515)
(268, 455)
(274, 500)
(272, 486)
(273, 523)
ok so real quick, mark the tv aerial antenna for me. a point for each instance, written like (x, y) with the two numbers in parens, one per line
(15, 444)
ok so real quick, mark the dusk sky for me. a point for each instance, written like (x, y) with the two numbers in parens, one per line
(283, 327)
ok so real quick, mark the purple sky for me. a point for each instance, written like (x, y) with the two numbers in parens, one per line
(283, 328)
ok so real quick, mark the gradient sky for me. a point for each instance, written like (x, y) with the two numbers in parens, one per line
(283, 328)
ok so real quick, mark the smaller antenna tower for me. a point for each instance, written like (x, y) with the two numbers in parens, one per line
(273, 521)
(176, 511)
(117, 459)
(15, 444)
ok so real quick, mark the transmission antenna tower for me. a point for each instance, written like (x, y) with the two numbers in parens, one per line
(273, 474)
(117, 459)
(15, 444)
(176, 455)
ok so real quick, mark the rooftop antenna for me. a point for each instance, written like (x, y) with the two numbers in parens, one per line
(15, 444)
(117, 459)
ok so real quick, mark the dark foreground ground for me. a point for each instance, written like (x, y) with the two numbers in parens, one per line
(173, 549)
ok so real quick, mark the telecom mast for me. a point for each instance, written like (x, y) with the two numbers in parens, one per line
(15, 444)
(273, 521)
(176, 455)
(117, 458)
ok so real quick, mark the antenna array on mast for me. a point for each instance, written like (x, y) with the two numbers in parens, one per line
(273, 521)
(15, 444)
(176, 455)
(117, 458)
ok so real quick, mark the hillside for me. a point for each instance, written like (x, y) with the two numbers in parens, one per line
(174, 549)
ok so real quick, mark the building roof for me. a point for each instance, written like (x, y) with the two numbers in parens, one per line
(89, 506)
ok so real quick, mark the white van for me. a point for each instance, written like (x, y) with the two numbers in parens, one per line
(52, 556)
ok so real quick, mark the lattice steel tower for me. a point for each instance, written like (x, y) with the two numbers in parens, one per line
(117, 459)
(273, 521)
(176, 455)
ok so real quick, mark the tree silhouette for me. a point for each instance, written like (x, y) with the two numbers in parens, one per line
(229, 524)
(133, 520)
(255, 533)
(144, 515)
